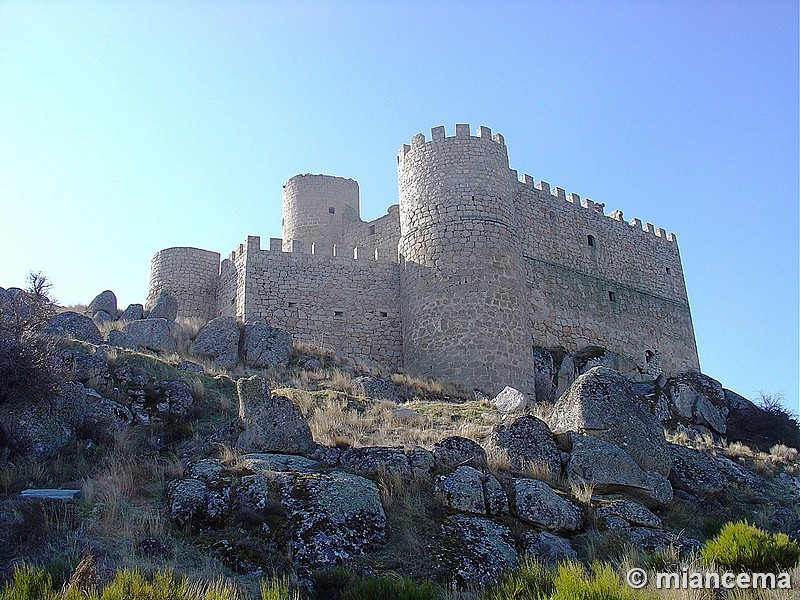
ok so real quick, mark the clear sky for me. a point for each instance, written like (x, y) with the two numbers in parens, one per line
(127, 127)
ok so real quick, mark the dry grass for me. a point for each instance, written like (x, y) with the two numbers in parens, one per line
(781, 454)
(738, 450)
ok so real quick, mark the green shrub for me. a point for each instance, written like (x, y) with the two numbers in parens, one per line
(741, 546)
(389, 587)
(28, 583)
(278, 589)
(532, 581)
(130, 584)
(573, 582)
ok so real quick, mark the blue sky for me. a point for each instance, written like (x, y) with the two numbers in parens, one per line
(130, 127)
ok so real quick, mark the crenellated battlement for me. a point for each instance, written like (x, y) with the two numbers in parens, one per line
(461, 134)
(252, 246)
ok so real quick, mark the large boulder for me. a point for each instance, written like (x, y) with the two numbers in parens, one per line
(218, 340)
(271, 423)
(39, 429)
(203, 499)
(152, 334)
(104, 301)
(510, 400)
(377, 388)
(528, 443)
(631, 513)
(610, 470)
(374, 461)
(695, 472)
(535, 503)
(454, 451)
(75, 326)
(468, 490)
(548, 548)
(475, 551)
(134, 312)
(595, 356)
(602, 404)
(696, 399)
(331, 517)
(544, 374)
(164, 307)
(265, 346)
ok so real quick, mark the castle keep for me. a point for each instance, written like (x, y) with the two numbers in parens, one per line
(472, 269)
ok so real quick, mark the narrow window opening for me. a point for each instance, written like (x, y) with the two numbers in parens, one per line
(371, 229)
(283, 222)
(233, 300)
(590, 241)
(669, 272)
(292, 304)
(332, 210)
(384, 314)
(338, 313)
(612, 296)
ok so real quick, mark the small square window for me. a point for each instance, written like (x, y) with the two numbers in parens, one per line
(338, 313)
(668, 271)
(292, 304)
(612, 296)
(332, 210)
(371, 229)
(590, 241)
(384, 313)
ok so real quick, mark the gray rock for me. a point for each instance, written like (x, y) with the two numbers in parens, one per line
(455, 451)
(510, 400)
(566, 376)
(176, 398)
(331, 517)
(595, 356)
(271, 423)
(696, 399)
(309, 363)
(218, 340)
(602, 404)
(631, 512)
(543, 375)
(330, 456)
(253, 492)
(421, 460)
(535, 503)
(101, 317)
(104, 301)
(153, 334)
(654, 541)
(548, 548)
(377, 388)
(190, 367)
(695, 472)
(495, 495)
(462, 490)
(72, 325)
(278, 463)
(164, 307)
(528, 442)
(374, 461)
(265, 346)
(37, 430)
(187, 500)
(121, 340)
(610, 470)
(407, 416)
(83, 367)
(134, 312)
(475, 551)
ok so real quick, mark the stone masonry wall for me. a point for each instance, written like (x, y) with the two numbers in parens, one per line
(191, 275)
(349, 305)
(381, 235)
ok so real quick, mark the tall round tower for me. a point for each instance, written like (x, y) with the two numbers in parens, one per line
(191, 275)
(316, 209)
(462, 298)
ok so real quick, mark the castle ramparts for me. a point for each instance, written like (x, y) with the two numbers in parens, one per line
(461, 280)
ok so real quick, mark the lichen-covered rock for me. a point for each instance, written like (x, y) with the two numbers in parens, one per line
(265, 346)
(527, 441)
(95, 417)
(104, 301)
(202, 499)
(330, 517)
(134, 312)
(695, 472)
(189, 366)
(373, 461)
(455, 451)
(654, 541)
(602, 404)
(595, 356)
(153, 334)
(475, 551)
(535, 503)
(176, 398)
(270, 423)
(187, 500)
(75, 326)
(548, 548)
(278, 463)
(121, 339)
(377, 388)
(218, 340)
(101, 317)
(610, 470)
(566, 376)
(632, 513)
(495, 495)
(36, 429)
(462, 490)
(83, 367)
(164, 307)
(696, 399)
(510, 400)
(421, 461)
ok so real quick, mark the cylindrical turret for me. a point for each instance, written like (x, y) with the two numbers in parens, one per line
(462, 297)
(189, 274)
(316, 209)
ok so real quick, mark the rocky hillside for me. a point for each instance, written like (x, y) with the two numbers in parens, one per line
(222, 449)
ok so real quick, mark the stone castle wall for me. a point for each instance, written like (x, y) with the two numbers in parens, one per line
(473, 268)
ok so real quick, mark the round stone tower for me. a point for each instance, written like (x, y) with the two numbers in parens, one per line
(462, 299)
(191, 275)
(316, 210)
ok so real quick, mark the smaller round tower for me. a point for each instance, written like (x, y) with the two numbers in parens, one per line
(316, 210)
(189, 274)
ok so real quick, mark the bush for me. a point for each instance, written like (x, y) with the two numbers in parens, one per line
(26, 370)
(28, 583)
(744, 547)
(572, 582)
(532, 581)
(389, 587)
(278, 589)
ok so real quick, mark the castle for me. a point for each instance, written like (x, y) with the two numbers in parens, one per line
(472, 269)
